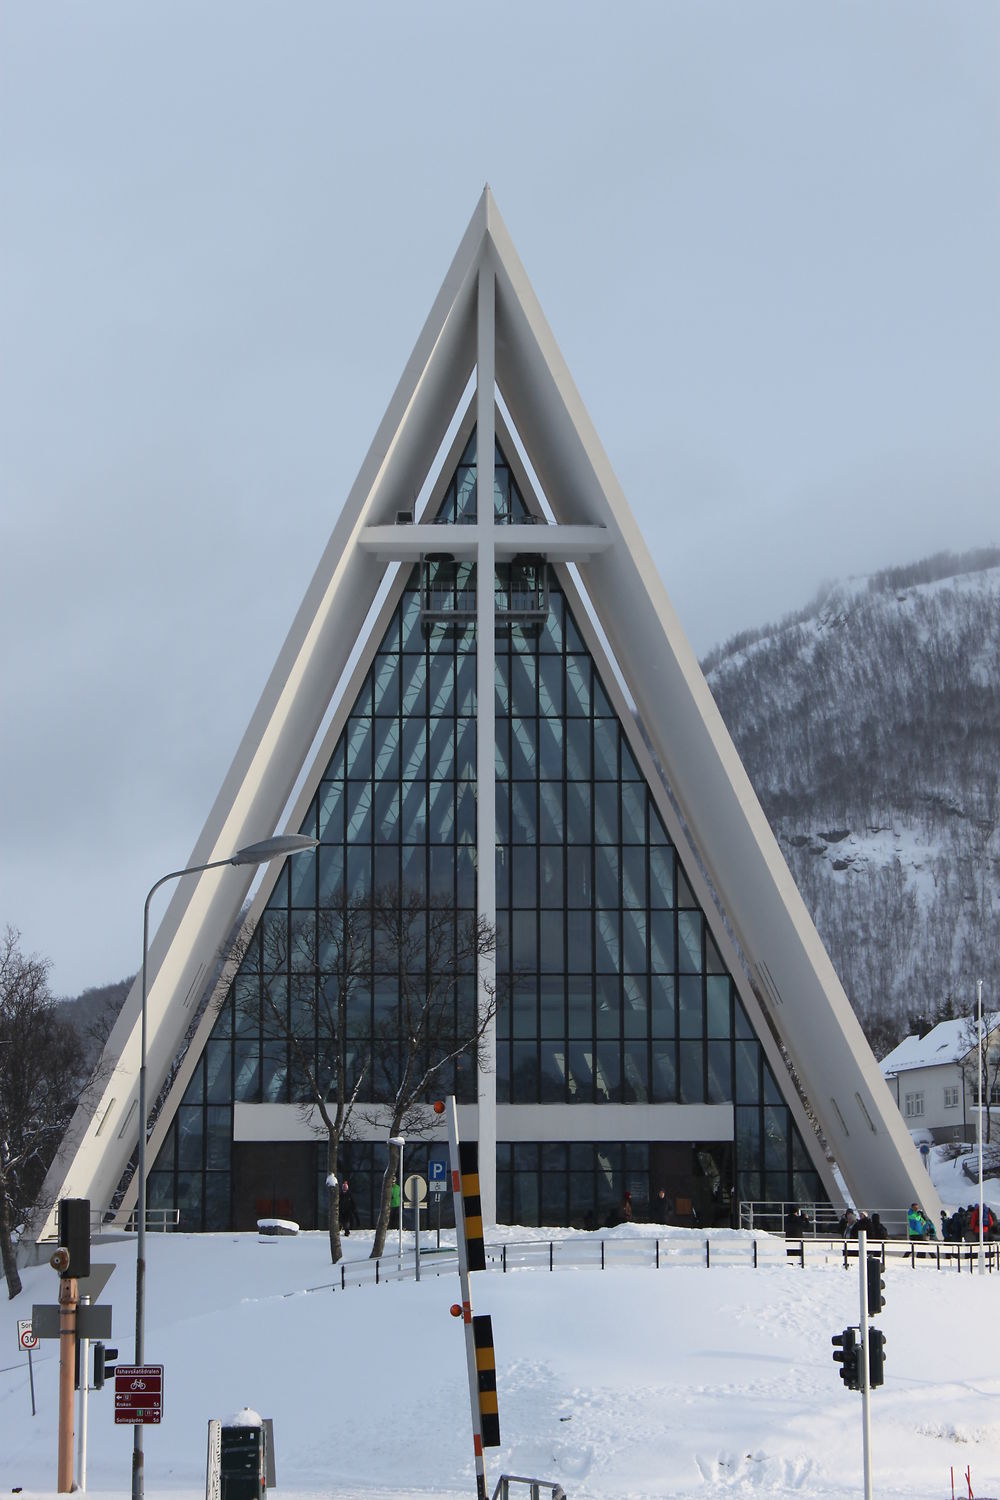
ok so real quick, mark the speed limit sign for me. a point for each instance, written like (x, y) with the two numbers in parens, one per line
(25, 1338)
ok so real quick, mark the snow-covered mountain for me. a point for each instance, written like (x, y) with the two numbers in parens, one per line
(869, 724)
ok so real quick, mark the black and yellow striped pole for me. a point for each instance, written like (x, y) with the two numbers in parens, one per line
(472, 1257)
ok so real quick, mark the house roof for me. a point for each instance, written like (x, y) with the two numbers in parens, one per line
(947, 1042)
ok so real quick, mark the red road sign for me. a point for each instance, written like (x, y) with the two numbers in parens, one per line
(138, 1394)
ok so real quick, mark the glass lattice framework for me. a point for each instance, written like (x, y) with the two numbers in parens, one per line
(617, 991)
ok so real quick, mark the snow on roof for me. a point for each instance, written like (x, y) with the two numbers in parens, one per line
(948, 1042)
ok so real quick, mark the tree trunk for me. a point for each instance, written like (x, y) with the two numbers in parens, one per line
(10, 1270)
(388, 1178)
(333, 1200)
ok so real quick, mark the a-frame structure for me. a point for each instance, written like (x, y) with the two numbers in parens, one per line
(702, 977)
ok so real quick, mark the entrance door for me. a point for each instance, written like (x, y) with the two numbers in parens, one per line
(696, 1179)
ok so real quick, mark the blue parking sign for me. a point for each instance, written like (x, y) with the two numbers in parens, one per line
(437, 1170)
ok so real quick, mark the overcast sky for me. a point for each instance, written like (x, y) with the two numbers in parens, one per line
(766, 237)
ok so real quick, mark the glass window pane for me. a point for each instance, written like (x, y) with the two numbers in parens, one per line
(747, 1080)
(523, 814)
(661, 876)
(664, 1005)
(692, 1069)
(550, 749)
(606, 812)
(635, 1086)
(634, 877)
(577, 732)
(577, 685)
(689, 925)
(717, 991)
(524, 1075)
(633, 813)
(664, 1077)
(550, 687)
(551, 870)
(552, 1007)
(581, 1005)
(580, 1084)
(552, 1072)
(551, 826)
(552, 959)
(691, 1018)
(606, 750)
(524, 879)
(720, 1073)
(661, 942)
(609, 1071)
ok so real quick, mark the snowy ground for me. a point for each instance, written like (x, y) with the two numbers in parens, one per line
(627, 1384)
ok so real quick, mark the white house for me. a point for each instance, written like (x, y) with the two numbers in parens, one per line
(934, 1078)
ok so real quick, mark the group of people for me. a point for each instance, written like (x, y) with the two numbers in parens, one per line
(851, 1225)
(963, 1224)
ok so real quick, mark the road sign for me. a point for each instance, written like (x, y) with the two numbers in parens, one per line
(91, 1322)
(138, 1395)
(437, 1174)
(25, 1338)
(414, 1190)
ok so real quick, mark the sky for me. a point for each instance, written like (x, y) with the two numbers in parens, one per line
(635, 1383)
(765, 238)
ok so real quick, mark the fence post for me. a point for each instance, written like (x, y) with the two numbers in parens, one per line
(708, 1253)
(343, 1277)
(503, 1258)
(376, 1273)
(802, 1254)
(602, 1255)
(657, 1255)
(550, 1255)
(755, 1255)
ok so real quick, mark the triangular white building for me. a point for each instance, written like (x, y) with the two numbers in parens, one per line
(644, 1052)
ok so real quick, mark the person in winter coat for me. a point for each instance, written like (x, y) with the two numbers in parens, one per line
(627, 1208)
(348, 1212)
(918, 1227)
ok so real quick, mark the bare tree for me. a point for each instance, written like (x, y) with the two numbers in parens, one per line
(328, 962)
(987, 1048)
(41, 1080)
(436, 959)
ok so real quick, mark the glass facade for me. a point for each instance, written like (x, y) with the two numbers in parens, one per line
(616, 991)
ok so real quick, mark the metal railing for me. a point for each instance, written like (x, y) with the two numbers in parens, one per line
(535, 1487)
(158, 1220)
(691, 1250)
(824, 1221)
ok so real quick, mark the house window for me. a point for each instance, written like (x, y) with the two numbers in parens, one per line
(951, 1097)
(993, 1093)
(913, 1105)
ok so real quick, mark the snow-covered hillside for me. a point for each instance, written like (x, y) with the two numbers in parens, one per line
(870, 727)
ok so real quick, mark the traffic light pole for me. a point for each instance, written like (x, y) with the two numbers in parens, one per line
(81, 1437)
(68, 1292)
(866, 1394)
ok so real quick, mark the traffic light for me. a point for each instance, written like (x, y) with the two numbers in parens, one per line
(104, 1363)
(876, 1357)
(74, 1236)
(876, 1285)
(847, 1354)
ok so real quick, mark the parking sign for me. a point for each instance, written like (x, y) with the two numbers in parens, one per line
(437, 1170)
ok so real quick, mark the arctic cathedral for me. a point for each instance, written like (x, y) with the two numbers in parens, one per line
(487, 705)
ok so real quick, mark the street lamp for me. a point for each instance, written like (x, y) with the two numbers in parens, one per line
(979, 1126)
(399, 1142)
(252, 854)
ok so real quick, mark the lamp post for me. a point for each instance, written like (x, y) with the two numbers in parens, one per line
(979, 1126)
(252, 854)
(399, 1142)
